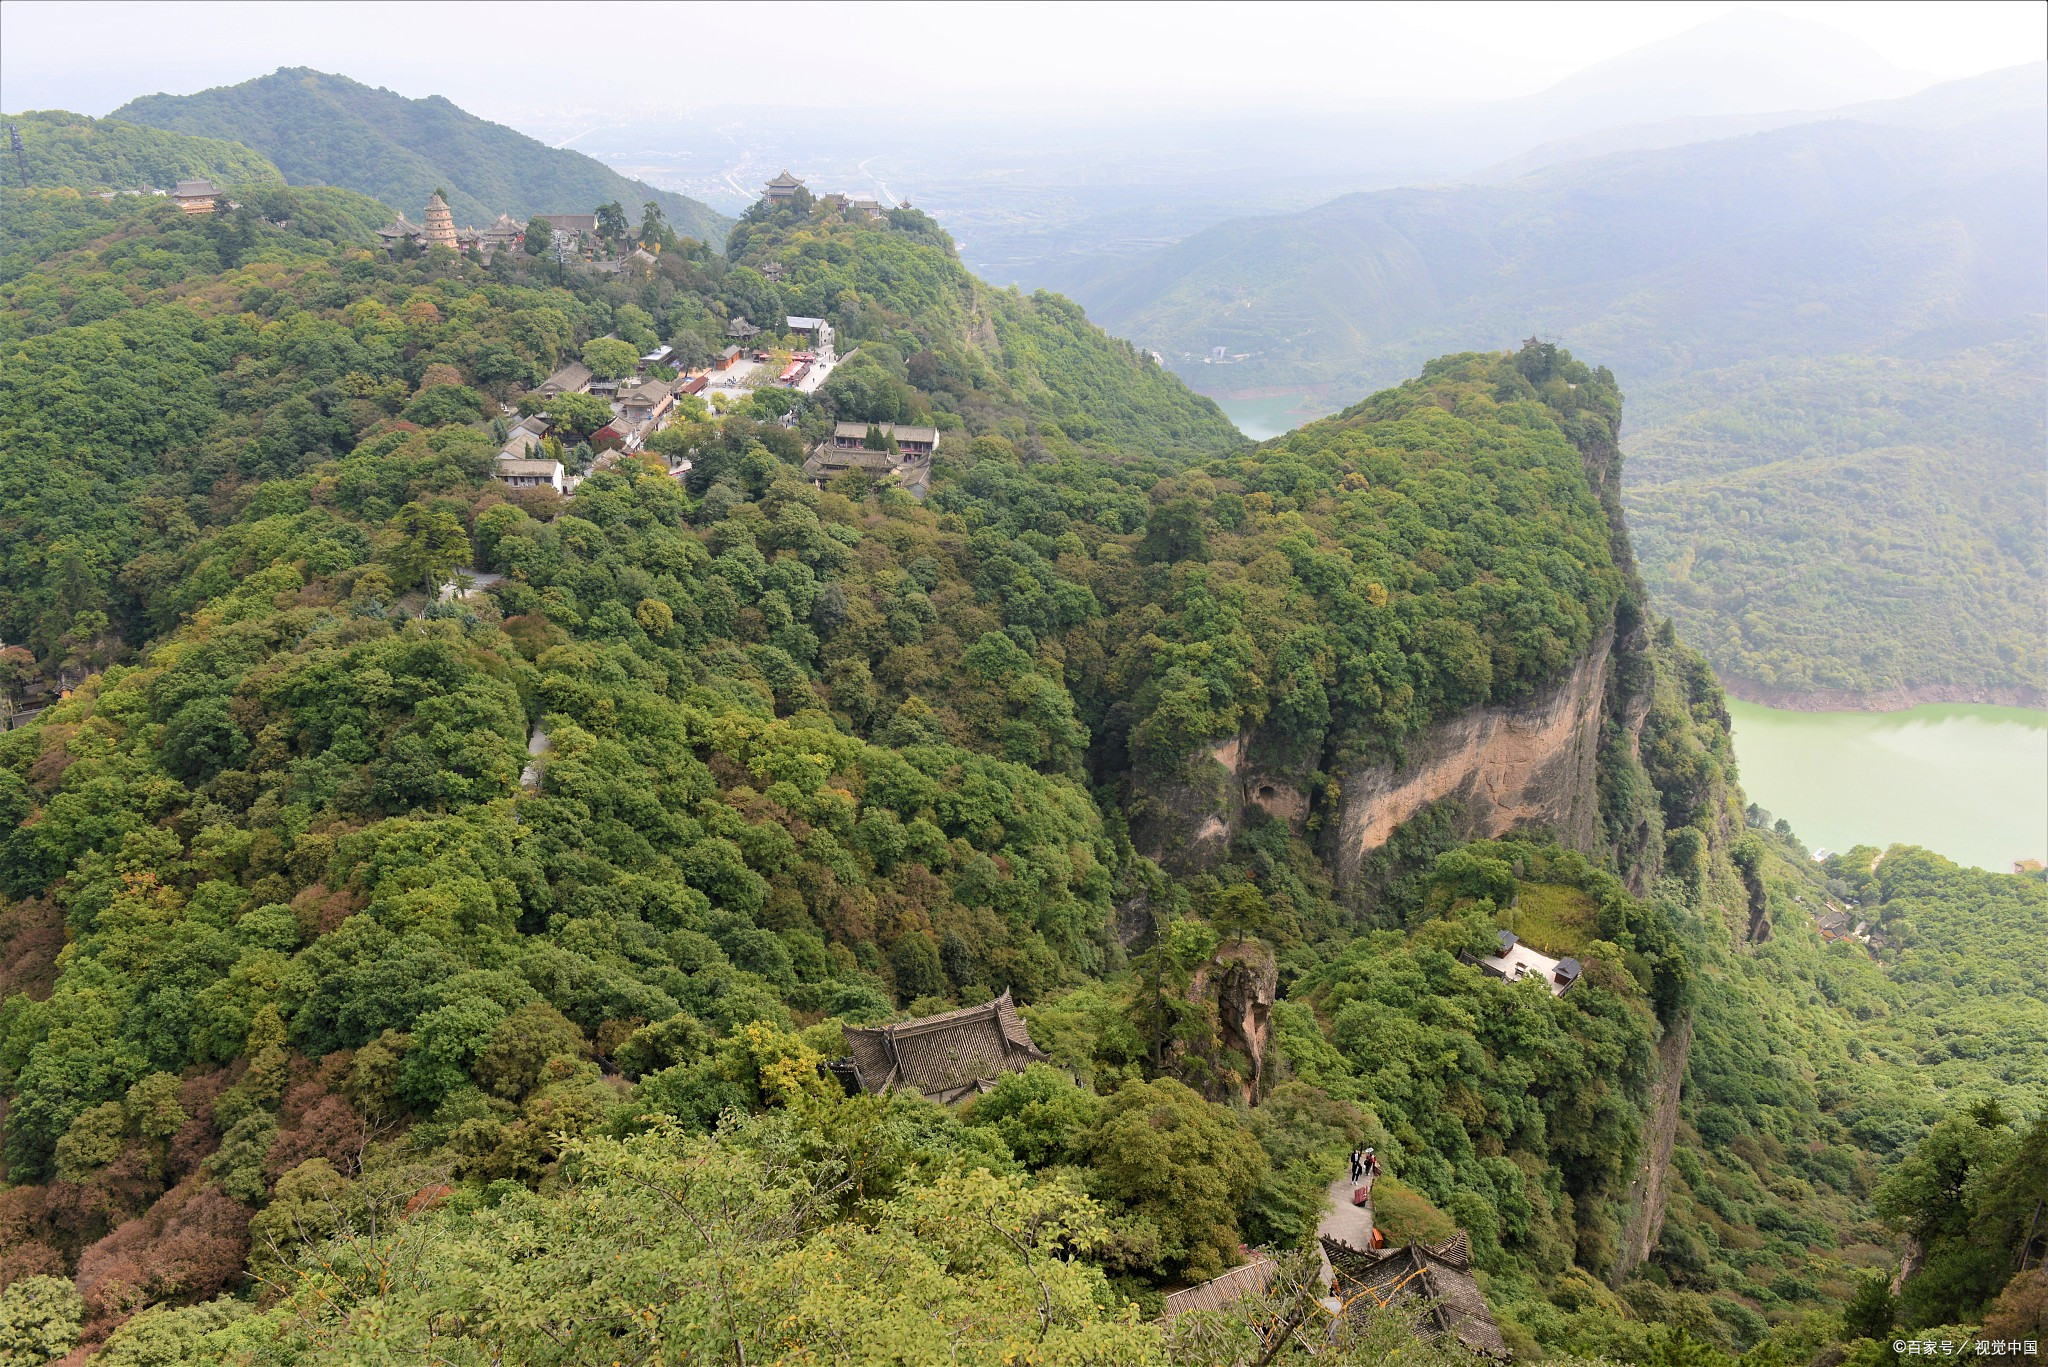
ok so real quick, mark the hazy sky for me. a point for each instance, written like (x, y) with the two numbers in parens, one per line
(515, 61)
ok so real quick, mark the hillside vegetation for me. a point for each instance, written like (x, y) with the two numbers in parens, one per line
(336, 1025)
(328, 130)
(1862, 525)
(70, 150)
(1899, 271)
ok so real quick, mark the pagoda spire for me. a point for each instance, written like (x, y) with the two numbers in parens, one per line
(440, 227)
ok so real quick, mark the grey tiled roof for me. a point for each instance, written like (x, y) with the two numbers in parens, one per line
(948, 1056)
(1217, 1292)
(1434, 1280)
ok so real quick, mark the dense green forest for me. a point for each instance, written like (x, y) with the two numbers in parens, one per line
(70, 150)
(1855, 523)
(1834, 374)
(333, 1029)
(328, 130)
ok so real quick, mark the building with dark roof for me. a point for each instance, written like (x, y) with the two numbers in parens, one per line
(1434, 1282)
(1254, 1278)
(947, 1057)
(573, 378)
(911, 441)
(528, 473)
(501, 234)
(645, 402)
(783, 187)
(741, 329)
(195, 196)
(400, 229)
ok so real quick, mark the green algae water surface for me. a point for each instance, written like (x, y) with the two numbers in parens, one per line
(1270, 416)
(1966, 781)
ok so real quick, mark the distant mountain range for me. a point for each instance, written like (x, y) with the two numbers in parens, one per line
(1042, 203)
(1824, 236)
(328, 130)
(1874, 286)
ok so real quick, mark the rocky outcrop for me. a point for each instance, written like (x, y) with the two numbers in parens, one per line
(1513, 765)
(1188, 823)
(1244, 982)
(1646, 1194)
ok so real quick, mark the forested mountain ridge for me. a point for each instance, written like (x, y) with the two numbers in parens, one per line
(63, 149)
(335, 1023)
(322, 129)
(1687, 257)
(1838, 248)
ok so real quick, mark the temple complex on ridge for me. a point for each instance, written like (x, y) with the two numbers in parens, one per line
(440, 230)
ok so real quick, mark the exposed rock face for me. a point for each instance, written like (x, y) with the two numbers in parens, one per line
(1187, 824)
(1647, 1193)
(1532, 763)
(1244, 1010)
(1245, 982)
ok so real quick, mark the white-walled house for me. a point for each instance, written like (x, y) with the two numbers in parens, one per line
(1516, 961)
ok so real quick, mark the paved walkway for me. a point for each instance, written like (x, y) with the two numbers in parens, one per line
(479, 580)
(1345, 1223)
(537, 747)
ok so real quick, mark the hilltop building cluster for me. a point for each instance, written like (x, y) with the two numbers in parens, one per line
(1514, 961)
(439, 230)
(786, 188)
(646, 400)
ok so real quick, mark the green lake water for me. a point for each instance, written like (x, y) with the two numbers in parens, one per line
(1269, 417)
(1965, 781)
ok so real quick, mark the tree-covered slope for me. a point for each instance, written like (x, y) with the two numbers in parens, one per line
(899, 289)
(70, 150)
(1842, 249)
(328, 130)
(1854, 526)
(385, 973)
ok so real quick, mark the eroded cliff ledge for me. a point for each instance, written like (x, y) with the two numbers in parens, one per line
(1508, 766)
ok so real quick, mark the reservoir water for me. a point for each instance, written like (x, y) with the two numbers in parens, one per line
(1270, 416)
(1966, 781)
